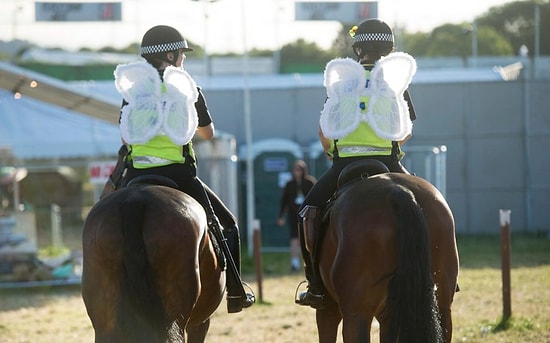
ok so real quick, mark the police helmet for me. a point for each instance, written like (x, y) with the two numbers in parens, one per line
(161, 39)
(372, 35)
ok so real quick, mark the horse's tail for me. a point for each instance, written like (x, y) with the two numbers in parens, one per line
(411, 294)
(143, 317)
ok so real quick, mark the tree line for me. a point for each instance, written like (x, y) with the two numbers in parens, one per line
(501, 31)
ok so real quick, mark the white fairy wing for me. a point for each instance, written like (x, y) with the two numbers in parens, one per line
(140, 120)
(344, 80)
(136, 79)
(139, 84)
(388, 112)
(180, 116)
(339, 117)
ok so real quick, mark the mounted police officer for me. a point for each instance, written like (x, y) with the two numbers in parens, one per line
(162, 110)
(365, 116)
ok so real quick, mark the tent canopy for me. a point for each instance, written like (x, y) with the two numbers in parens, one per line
(37, 130)
(53, 91)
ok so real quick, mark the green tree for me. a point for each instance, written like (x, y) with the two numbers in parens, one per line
(492, 43)
(260, 53)
(415, 44)
(456, 40)
(342, 43)
(302, 56)
(516, 22)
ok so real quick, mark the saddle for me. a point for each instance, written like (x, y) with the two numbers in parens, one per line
(360, 170)
(351, 174)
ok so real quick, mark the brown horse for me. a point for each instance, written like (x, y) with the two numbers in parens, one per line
(389, 253)
(150, 271)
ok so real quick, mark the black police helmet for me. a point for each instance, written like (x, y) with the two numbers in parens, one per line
(373, 35)
(162, 39)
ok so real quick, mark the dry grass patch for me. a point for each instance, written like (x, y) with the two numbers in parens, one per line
(52, 315)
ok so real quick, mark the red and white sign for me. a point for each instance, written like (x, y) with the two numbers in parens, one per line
(99, 172)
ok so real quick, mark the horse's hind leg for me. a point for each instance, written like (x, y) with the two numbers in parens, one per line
(328, 320)
(197, 334)
(356, 328)
(445, 297)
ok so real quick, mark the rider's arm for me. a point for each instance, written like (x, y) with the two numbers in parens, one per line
(206, 132)
(401, 142)
(325, 142)
(412, 114)
(206, 128)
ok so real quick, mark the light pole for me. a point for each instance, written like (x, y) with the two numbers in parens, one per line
(250, 193)
(205, 31)
(16, 10)
(474, 44)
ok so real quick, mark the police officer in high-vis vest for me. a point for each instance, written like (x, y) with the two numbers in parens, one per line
(162, 110)
(372, 40)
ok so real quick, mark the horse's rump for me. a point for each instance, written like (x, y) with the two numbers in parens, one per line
(147, 256)
(389, 239)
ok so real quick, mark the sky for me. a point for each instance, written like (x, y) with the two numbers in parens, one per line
(218, 25)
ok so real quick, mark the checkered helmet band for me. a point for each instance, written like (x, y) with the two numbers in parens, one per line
(153, 49)
(373, 37)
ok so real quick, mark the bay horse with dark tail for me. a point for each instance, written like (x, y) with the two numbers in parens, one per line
(389, 253)
(150, 272)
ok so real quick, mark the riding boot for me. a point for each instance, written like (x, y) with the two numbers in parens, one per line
(237, 297)
(315, 294)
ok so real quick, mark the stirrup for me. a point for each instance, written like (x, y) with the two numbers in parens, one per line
(307, 298)
(297, 292)
(250, 296)
(236, 303)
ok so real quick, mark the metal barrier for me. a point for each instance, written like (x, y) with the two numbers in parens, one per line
(428, 162)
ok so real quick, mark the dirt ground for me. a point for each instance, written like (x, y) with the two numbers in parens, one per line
(58, 315)
(53, 315)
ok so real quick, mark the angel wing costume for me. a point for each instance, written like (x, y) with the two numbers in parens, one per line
(387, 112)
(156, 108)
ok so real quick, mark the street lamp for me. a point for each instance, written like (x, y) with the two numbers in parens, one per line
(205, 31)
(471, 29)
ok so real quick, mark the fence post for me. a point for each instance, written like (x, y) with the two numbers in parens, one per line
(505, 263)
(257, 238)
(57, 235)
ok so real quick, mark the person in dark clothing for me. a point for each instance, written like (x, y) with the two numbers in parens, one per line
(293, 195)
(162, 110)
(373, 41)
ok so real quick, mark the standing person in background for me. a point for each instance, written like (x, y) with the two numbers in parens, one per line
(293, 195)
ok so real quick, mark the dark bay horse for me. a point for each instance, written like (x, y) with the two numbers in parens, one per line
(150, 271)
(389, 253)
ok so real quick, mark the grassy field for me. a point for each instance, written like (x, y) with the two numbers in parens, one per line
(58, 314)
